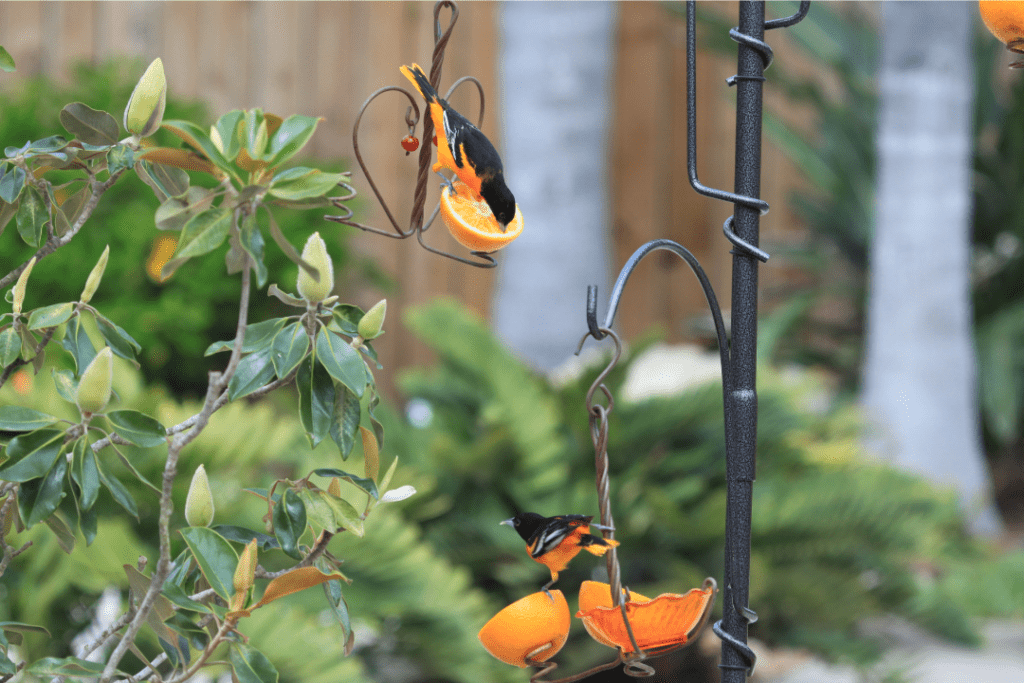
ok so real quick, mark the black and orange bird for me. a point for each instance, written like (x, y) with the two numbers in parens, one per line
(465, 151)
(554, 541)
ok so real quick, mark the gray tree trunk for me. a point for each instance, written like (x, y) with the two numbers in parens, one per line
(556, 74)
(919, 375)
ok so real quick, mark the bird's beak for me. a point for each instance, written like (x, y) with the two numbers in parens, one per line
(509, 522)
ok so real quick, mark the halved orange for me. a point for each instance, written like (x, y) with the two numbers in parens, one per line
(471, 222)
(1004, 18)
(667, 620)
(534, 627)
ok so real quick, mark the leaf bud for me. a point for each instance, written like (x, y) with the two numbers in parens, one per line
(95, 276)
(315, 253)
(94, 386)
(19, 286)
(145, 110)
(372, 323)
(199, 504)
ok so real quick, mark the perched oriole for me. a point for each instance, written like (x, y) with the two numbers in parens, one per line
(464, 150)
(554, 541)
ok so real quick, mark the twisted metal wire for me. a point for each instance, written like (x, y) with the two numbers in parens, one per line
(412, 118)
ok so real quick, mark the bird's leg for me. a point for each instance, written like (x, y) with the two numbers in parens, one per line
(548, 585)
(447, 182)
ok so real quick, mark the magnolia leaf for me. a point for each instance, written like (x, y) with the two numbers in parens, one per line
(12, 180)
(294, 581)
(6, 60)
(249, 665)
(217, 559)
(32, 217)
(371, 454)
(18, 419)
(89, 125)
(50, 316)
(202, 234)
(257, 336)
(289, 517)
(254, 371)
(289, 348)
(341, 361)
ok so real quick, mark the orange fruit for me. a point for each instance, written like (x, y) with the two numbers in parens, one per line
(669, 619)
(471, 222)
(1004, 18)
(533, 628)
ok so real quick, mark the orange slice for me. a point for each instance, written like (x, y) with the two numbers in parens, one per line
(667, 620)
(471, 222)
(1004, 18)
(533, 628)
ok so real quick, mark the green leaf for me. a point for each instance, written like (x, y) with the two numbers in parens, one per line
(7, 211)
(6, 62)
(67, 386)
(174, 212)
(340, 360)
(137, 428)
(10, 346)
(50, 316)
(332, 512)
(254, 371)
(18, 419)
(39, 498)
(32, 217)
(303, 183)
(173, 181)
(336, 601)
(255, 134)
(85, 473)
(239, 534)
(118, 491)
(72, 667)
(345, 420)
(176, 595)
(289, 523)
(10, 628)
(71, 210)
(258, 336)
(378, 428)
(251, 239)
(47, 146)
(89, 125)
(11, 183)
(286, 246)
(364, 483)
(88, 521)
(65, 536)
(217, 559)
(292, 135)
(289, 348)
(201, 235)
(120, 342)
(347, 317)
(316, 401)
(197, 138)
(230, 136)
(249, 665)
(119, 158)
(31, 456)
(77, 343)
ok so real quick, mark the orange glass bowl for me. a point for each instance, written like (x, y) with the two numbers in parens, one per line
(667, 620)
(532, 628)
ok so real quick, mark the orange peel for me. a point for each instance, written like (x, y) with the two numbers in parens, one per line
(471, 222)
(534, 627)
(668, 620)
(1003, 18)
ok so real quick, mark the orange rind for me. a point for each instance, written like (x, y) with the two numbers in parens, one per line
(534, 628)
(1004, 18)
(668, 620)
(471, 222)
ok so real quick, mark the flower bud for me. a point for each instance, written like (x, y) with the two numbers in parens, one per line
(315, 253)
(94, 386)
(95, 276)
(145, 110)
(372, 323)
(199, 504)
(19, 286)
(334, 488)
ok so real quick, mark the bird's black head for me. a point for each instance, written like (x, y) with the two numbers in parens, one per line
(525, 523)
(497, 195)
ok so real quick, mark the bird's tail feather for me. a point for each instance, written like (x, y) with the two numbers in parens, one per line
(596, 545)
(419, 79)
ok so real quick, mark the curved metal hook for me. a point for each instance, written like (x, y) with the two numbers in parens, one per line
(620, 285)
(369, 178)
(796, 18)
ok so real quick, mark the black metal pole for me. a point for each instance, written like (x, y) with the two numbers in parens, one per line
(742, 395)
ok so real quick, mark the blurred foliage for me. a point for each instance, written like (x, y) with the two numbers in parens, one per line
(173, 324)
(835, 537)
(413, 610)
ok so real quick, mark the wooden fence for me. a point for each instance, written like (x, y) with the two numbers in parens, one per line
(324, 58)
